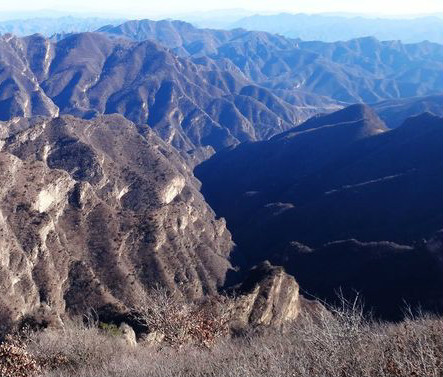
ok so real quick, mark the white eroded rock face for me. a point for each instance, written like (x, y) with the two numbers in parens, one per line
(28, 234)
(52, 195)
(92, 214)
(174, 188)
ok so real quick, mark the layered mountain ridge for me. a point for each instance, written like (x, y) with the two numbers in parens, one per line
(282, 63)
(88, 74)
(203, 88)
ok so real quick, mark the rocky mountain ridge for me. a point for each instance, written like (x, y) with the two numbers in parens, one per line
(189, 105)
(359, 70)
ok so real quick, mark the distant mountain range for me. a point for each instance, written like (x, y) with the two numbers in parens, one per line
(395, 112)
(345, 71)
(318, 27)
(48, 26)
(330, 28)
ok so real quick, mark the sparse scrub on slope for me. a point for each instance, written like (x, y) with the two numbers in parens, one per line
(341, 342)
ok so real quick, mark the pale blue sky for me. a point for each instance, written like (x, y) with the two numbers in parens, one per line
(144, 8)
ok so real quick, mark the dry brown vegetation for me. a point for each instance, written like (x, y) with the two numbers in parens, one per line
(176, 322)
(338, 343)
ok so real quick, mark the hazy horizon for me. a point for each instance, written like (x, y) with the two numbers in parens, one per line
(138, 9)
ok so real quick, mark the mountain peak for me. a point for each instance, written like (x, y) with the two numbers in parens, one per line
(356, 112)
(421, 123)
(425, 117)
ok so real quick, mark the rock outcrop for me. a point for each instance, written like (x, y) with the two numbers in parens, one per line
(93, 214)
(128, 334)
(268, 296)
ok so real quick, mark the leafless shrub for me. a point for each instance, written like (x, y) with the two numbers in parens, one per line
(415, 348)
(343, 341)
(178, 322)
(15, 360)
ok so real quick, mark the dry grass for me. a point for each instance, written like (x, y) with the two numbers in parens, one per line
(343, 343)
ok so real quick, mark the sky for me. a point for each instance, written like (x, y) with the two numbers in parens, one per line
(144, 8)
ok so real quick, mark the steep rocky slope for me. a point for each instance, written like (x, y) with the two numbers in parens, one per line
(20, 92)
(93, 214)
